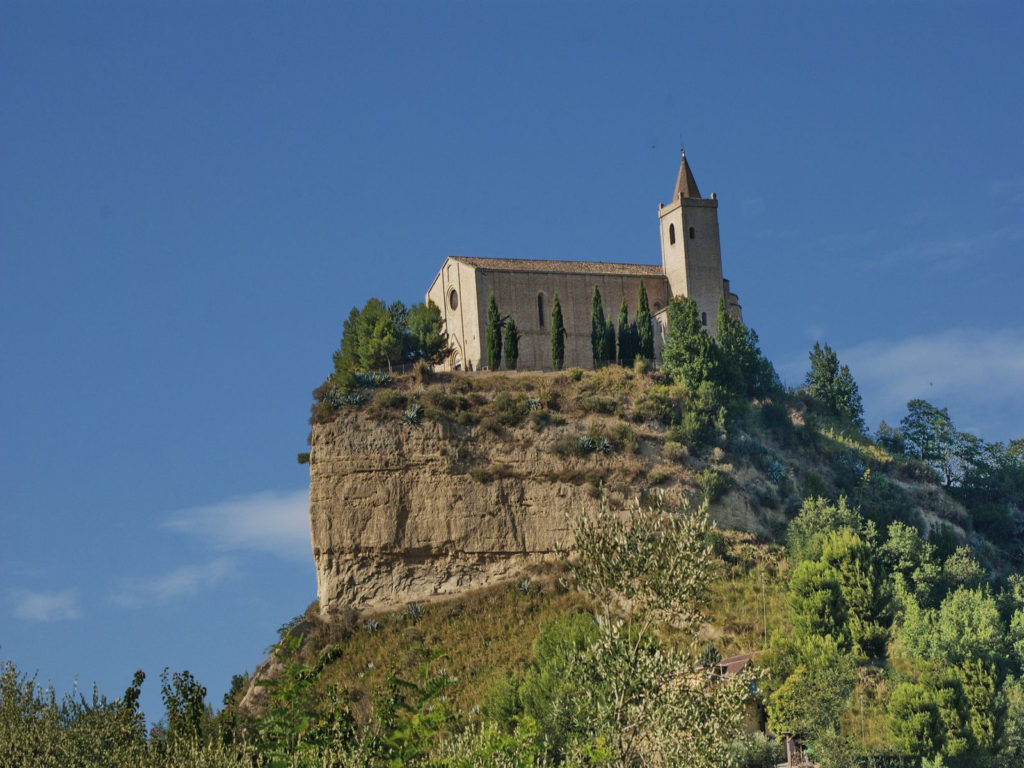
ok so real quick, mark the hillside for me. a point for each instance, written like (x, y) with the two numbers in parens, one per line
(437, 484)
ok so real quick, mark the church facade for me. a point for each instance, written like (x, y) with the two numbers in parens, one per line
(691, 265)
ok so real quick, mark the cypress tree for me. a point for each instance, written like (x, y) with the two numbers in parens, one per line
(598, 330)
(493, 335)
(609, 342)
(557, 336)
(626, 351)
(511, 344)
(644, 327)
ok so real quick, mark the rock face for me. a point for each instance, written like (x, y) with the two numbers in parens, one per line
(402, 513)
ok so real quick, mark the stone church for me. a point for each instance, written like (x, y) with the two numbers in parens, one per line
(691, 265)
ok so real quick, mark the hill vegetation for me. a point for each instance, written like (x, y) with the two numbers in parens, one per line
(876, 579)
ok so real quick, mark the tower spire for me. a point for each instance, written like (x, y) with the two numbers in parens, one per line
(686, 186)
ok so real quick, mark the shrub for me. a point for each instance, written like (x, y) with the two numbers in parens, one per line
(303, 458)
(625, 439)
(714, 484)
(413, 414)
(674, 451)
(423, 371)
(511, 410)
(391, 399)
(575, 374)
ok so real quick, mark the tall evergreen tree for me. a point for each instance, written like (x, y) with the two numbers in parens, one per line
(626, 331)
(644, 326)
(557, 336)
(833, 385)
(511, 344)
(609, 342)
(598, 330)
(746, 371)
(493, 335)
(690, 356)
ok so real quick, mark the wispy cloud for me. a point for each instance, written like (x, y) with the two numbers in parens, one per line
(47, 606)
(977, 374)
(951, 254)
(277, 523)
(179, 583)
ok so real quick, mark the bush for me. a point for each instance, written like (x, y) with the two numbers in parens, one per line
(391, 399)
(714, 484)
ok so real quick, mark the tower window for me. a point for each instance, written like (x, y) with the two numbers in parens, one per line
(693, 233)
(704, 318)
(540, 309)
(671, 234)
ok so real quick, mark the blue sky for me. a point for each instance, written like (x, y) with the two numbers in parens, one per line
(193, 195)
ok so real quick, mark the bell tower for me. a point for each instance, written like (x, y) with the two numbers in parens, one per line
(691, 254)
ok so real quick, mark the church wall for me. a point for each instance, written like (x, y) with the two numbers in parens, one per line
(517, 293)
(464, 333)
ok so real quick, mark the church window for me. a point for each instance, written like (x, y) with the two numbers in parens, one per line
(693, 233)
(704, 318)
(453, 299)
(540, 309)
(671, 234)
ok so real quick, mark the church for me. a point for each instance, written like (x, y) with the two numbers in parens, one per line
(691, 265)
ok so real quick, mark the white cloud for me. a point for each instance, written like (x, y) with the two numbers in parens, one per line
(978, 375)
(277, 523)
(182, 582)
(47, 606)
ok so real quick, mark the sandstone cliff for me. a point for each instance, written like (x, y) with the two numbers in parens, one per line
(403, 513)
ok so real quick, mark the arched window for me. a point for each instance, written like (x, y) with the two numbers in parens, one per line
(540, 309)
(693, 233)
(671, 234)
(704, 318)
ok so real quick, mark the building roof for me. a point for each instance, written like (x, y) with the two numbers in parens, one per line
(686, 185)
(566, 267)
(733, 665)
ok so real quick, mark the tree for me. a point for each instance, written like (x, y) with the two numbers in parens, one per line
(914, 721)
(598, 330)
(426, 337)
(746, 371)
(690, 356)
(625, 342)
(493, 335)
(644, 326)
(852, 560)
(642, 701)
(816, 603)
(511, 344)
(557, 336)
(609, 341)
(833, 386)
(818, 518)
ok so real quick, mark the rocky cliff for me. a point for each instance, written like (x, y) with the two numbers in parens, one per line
(402, 513)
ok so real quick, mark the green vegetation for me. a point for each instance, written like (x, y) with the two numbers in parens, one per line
(833, 386)
(557, 336)
(493, 335)
(644, 326)
(511, 344)
(599, 332)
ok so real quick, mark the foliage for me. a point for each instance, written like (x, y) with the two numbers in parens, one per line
(690, 356)
(818, 518)
(380, 336)
(833, 386)
(599, 331)
(644, 326)
(643, 701)
(493, 335)
(627, 336)
(812, 698)
(185, 703)
(746, 370)
(511, 344)
(557, 336)
(914, 721)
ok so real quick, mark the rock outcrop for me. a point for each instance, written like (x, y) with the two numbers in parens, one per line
(402, 513)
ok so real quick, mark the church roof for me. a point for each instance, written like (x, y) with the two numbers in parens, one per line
(567, 267)
(686, 186)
